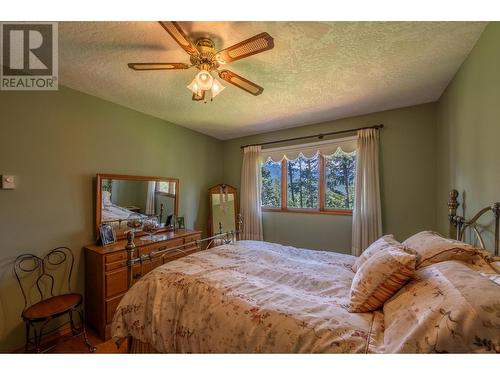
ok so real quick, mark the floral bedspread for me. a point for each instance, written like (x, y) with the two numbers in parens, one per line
(447, 308)
(249, 297)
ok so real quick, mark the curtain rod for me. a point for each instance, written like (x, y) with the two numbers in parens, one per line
(319, 136)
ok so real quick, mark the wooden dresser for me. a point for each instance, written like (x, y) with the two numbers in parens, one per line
(106, 273)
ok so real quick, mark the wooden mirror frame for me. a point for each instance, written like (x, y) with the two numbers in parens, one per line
(216, 190)
(106, 176)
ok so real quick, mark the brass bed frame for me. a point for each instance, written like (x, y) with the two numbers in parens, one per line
(222, 237)
(458, 226)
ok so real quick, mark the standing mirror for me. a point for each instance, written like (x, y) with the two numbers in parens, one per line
(223, 207)
(122, 199)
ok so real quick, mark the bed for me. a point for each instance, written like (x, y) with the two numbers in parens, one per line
(115, 215)
(113, 212)
(259, 297)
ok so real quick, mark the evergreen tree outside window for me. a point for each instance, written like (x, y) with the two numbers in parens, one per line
(313, 183)
(340, 172)
(271, 184)
(303, 182)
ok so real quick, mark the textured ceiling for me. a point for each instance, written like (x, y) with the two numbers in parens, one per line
(317, 71)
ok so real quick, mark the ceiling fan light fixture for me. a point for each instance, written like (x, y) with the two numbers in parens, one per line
(205, 58)
(217, 88)
(204, 80)
(194, 87)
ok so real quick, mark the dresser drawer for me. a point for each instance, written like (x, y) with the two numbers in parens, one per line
(111, 305)
(151, 265)
(116, 282)
(161, 246)
(115, 265)
(115, 257)
(192, 249)
(189, 239)
(175, 243)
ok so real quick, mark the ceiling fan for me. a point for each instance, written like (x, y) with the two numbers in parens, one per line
(206, 59)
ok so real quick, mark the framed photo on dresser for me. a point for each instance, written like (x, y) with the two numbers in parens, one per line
(107, 234)
(180, 222)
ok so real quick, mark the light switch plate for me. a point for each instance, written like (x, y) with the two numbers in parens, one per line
(8, 182)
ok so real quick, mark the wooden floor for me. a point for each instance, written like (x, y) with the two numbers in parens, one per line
(76, 345)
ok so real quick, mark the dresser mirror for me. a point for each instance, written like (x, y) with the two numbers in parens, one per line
(223, 209)
(123, 200)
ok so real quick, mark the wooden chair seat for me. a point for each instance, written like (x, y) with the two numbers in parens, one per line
(52, 307)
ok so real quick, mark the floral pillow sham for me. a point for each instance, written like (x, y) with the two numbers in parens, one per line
(434, 248)
(380, 277)
(384, 242)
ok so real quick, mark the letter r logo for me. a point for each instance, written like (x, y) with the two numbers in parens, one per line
(27, 49)
(29, 58)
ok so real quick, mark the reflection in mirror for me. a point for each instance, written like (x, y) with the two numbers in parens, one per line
(223, 205)
(223, 213)
(124, 201)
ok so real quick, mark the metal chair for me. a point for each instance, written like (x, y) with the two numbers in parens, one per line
(41, 305)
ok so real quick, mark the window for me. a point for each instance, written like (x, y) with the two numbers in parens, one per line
(165, 188)
(340, 172)
(303, 182)
(271, 184)
(319, 183)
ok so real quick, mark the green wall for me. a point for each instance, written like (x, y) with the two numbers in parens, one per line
(468, 129)
(55, 142)
(407, 168)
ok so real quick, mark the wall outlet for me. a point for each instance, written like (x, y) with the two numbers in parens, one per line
(8, 182)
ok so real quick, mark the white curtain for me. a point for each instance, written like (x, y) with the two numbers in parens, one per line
(367, 216)
(150, 198)
(250, 204)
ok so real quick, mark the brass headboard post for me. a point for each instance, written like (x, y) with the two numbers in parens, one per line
(458, 224)
(130, 247)
(452, 213)
(496, 211)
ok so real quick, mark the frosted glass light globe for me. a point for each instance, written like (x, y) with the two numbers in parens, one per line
(194, 87)
(216, 88)
(204, 80)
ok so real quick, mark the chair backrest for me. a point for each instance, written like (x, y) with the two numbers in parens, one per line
(54, 269)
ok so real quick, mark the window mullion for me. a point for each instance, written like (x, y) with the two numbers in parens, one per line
(284, 190)
(322, 181)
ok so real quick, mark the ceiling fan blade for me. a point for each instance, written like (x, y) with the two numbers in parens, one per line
(157, 66)
(256, 44)
(176, 32)
(241, 82)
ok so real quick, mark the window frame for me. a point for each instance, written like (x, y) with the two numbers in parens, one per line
(164, 193)
(322, 209)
